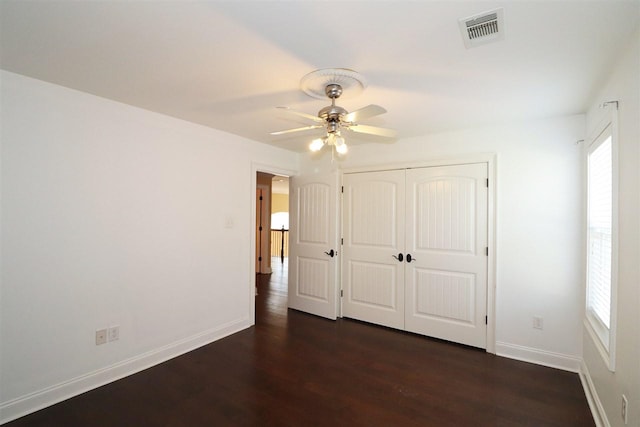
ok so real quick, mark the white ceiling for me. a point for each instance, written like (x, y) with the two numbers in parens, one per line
(227, 64)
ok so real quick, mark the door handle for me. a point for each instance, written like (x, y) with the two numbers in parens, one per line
(331, 253)
(399, 257)
(409, 258)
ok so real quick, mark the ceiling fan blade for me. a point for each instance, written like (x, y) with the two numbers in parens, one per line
(364, 113)
(301, 114)
(282, 132)
(373, 130)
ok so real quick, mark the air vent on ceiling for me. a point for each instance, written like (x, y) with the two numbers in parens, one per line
(484, 28)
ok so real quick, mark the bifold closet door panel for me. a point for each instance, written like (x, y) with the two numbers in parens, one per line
(373, 233)
(446, 237)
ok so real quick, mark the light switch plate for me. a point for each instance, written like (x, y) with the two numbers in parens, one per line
(113, 333)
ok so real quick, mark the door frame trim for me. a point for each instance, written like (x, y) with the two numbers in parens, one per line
(255, 168)
(491, 159)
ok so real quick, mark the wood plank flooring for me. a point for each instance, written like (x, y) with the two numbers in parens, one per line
(294, 369)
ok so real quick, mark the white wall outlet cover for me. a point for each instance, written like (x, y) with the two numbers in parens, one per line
(101, 336)
(537, 322)
(228, 222)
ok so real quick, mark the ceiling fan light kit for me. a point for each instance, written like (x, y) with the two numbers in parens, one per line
(332, 83)
(332, 139)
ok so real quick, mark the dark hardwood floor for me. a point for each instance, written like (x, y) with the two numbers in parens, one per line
(294, 369)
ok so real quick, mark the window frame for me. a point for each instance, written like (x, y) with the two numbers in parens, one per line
(604, 338)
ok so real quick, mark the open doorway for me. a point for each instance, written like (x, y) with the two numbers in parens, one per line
(280, 228)
(272, 243)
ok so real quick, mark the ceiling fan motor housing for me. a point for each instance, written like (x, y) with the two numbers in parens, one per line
(332, 113)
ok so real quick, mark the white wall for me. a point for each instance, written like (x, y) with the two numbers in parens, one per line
(111, 216)
(539, 213)
(623, 85)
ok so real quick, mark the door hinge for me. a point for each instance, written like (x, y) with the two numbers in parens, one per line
(486, 251)
(342, 189)
(259, 258)
(341, 241)
(341, 293)
(261, 197)
(487, 182)
(486, 320)
(260, 228)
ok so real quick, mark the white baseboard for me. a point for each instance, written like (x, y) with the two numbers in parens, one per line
(40, 399)
(539, 357)
(597, 410)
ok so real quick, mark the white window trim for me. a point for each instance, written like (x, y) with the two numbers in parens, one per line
(605, 339)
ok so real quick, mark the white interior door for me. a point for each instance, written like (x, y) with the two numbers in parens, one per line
(313, 245)
(373, 238)
(446, 265)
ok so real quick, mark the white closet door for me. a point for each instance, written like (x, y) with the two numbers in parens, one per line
(312, 251)
(373, 233)
(446, 238)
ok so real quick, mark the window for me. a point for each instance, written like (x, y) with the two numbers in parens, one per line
(280, 220)
(601, 243)
(599, 217)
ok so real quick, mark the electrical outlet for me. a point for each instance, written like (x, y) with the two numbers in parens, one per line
(625, 408)
(114, 333)
(228, 222)
(537, 322)
(101, 336)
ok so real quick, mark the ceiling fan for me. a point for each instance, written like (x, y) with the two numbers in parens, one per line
(335, 119)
